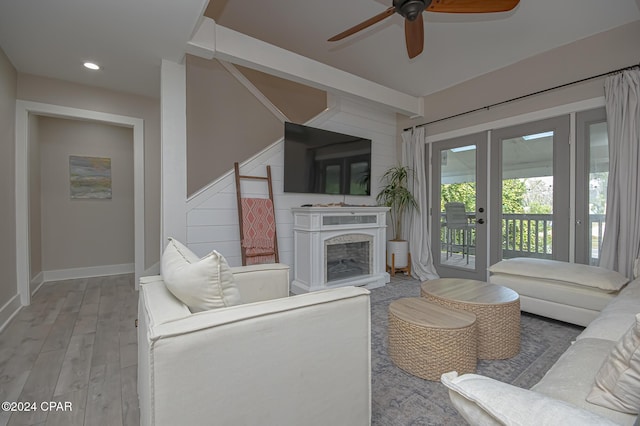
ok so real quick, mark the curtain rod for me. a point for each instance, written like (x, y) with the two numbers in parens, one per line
(630, 67)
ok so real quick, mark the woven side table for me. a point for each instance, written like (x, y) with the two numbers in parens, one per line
(497, 310)
(427, 340)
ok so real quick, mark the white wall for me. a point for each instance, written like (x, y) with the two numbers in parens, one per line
(212, 217)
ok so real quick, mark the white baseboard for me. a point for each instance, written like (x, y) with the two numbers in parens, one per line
(9, 310)
(153, 270)
(36, 282)
(92, 271)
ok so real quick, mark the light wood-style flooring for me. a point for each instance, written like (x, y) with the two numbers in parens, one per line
(76, 344)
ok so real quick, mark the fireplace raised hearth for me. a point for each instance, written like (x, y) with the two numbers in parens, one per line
(339, 246)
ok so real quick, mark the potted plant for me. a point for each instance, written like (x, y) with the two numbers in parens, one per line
(396, 195)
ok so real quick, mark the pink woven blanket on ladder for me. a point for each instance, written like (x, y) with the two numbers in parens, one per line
(259, 226)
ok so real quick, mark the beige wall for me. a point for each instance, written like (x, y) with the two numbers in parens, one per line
(299, 103)
(57, 92)
(594, 55)
(226, 123)
(78, 233)
(8, 82)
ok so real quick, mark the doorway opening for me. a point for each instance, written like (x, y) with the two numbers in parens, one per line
(23, 110)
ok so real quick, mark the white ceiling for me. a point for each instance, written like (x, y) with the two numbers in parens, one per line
(130, 37)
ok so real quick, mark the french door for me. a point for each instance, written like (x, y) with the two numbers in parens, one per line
(459, 212)
(530, 190)
(592, 175)
(514, 188)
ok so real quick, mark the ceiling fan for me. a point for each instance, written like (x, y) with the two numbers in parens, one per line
(411, 11)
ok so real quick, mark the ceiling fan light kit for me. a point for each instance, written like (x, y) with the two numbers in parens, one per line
(411, 11)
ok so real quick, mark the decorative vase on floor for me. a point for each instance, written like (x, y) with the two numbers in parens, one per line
(398, 253)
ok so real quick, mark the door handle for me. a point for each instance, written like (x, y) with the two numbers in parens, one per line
(480, 221)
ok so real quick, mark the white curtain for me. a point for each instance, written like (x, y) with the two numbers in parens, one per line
(621, 241)
(413, 156)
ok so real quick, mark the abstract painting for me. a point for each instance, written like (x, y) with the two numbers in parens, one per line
(90, 177)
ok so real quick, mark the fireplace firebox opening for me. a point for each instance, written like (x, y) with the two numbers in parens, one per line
(348, 256)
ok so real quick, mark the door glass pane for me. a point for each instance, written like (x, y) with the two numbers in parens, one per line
(458, 206)
(598, 178)
(527, 196)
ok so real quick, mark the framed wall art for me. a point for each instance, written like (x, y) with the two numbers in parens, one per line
(90, 177)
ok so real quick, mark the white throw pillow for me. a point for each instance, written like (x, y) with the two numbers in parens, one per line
(178, 248)
(617, 384)
(201, 284)
(574, 273)
(485, 401)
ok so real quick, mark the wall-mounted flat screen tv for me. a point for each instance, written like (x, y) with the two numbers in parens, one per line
(318, 161)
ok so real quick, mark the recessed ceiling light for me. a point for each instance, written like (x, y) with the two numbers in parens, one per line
(91, 66)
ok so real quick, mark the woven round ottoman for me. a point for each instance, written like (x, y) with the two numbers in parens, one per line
(497, 310)
(427, 340)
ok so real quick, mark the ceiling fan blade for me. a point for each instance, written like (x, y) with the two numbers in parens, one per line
(472, 6)
(414, 35)
(361, 26)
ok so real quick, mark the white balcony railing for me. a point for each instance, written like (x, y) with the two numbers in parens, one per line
(529, 235)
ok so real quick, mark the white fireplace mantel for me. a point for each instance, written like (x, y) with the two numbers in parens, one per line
(317, 228)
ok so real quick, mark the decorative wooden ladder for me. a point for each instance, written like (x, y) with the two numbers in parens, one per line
(252, 255)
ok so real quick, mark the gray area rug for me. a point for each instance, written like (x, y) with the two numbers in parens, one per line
(400, 399)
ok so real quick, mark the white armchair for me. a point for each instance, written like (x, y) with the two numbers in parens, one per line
(274, 360)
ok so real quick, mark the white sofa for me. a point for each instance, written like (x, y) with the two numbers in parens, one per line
(560, 396)
(568, 292)
(273, 360)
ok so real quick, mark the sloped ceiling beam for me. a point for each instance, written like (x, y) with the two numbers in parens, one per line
(266, 102)
(215, 41)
